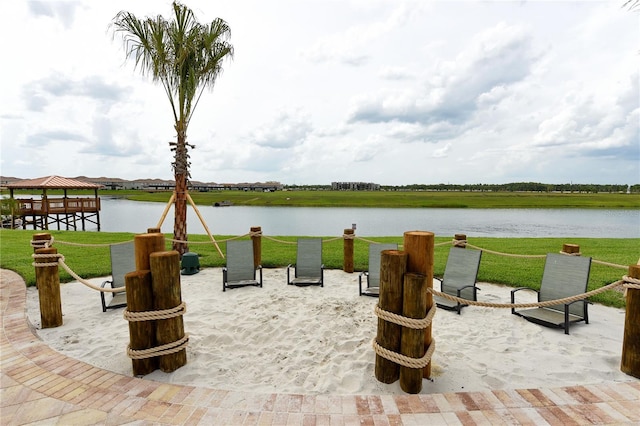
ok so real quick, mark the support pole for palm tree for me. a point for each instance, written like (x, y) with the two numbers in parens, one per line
(166, 210)
(204, 224)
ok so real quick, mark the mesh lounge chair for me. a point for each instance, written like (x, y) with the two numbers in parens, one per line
(564, 276)
(309, 269)
(459, 279)
(373, 274)
(240, 270)
(123, 261)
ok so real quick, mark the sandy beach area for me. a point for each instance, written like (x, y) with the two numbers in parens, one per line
(312, 340)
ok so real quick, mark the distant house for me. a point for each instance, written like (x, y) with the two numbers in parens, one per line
(355, 186)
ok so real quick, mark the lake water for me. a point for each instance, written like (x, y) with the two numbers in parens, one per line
(119, 215)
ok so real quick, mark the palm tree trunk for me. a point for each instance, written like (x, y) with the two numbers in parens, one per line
(180, 223)
(181, 173)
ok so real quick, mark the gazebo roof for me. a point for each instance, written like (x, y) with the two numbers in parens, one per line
(52, 182)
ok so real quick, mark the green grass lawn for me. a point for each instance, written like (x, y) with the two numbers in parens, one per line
(93, 261)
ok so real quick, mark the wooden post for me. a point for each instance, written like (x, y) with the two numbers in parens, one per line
(393, 264)
(141, 333)
(348, 250)
(256, 238)
(40, 240)
(167, 294)
(573, 249)
(144, 245)
(419, 246)
(412, 343)
(48, 281)
(630, 363)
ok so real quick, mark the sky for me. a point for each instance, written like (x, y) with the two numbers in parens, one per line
(319, 91)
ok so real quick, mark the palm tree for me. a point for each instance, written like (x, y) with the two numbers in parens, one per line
(186, 57)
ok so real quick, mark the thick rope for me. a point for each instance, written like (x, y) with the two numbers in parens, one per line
(179, 310)
(169, 348)
(565, 300)
(527, 256)
(416, 324)
(404, 360)
(92, 245)
(61, 262)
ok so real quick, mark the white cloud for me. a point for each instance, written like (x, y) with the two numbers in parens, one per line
(392, 92)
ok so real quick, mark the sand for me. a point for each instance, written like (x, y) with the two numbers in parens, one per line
(314, 340)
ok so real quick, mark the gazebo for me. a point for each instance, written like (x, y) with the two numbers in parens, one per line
(40, 214)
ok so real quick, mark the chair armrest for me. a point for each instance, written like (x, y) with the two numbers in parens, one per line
(104, 302)
(289, 266)
(224, 278)
(513, 295)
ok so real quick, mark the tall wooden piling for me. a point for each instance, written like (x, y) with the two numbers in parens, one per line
(145, 244)
(348, 236)
(141, 333)
(256, 238)
(419, 246)
(414, 305)
(167, 294)
(393, 265)
(48, 281)
(630, 363)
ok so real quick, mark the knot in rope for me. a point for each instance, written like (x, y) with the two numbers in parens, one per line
(459, 243)
(58, 256)
(179, 310)
(255, 233)
(42, 243)
(167, 349)
(349, 236)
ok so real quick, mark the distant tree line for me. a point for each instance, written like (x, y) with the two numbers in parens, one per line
(506, 187)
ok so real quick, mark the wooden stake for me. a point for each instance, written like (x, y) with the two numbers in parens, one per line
(167, 294)
(412, 343)
(419, 246)
(256, 238)
(630, 363)
(348, 251)
(48, 281)
(141, 333)
(393, 264)
(204, 224)
(166, 210)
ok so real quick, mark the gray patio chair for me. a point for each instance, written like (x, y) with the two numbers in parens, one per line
(460, 275)
(373, 274)
(309, 269)
(240, 270)
(123, 261)
(563, 276)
